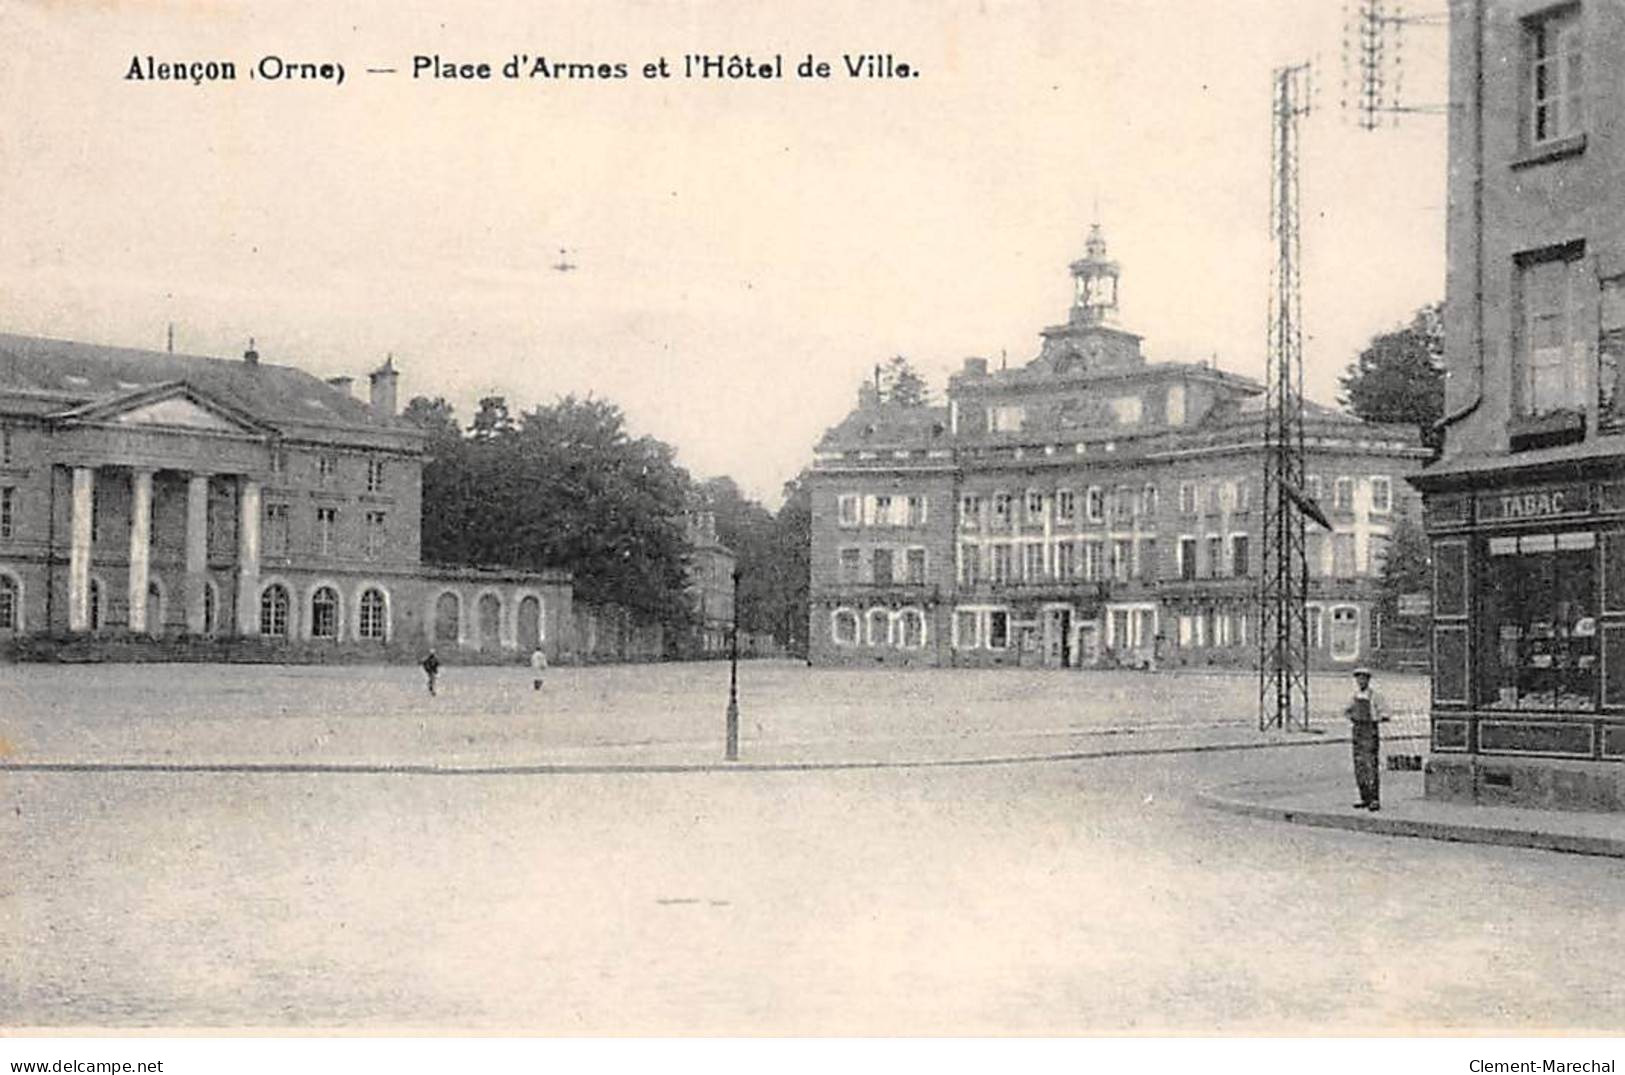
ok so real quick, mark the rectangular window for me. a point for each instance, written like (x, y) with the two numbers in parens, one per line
(1095, 503)
(1066, 560)
(1213, 503)
(1382, 494)
(1033, 563)
(1343, 494)
(5, 445)
(1244, 496)
(1148, 501)
(970, 512)
(1551, 350)
(1555, 76)
(849, 509)
(1091, 561)
(1035, 508)
(1239, 565)
(1312, 612)
(327, 466)
(327, 525)
(279, 461)
(999, 563)
(880, 511)
(1123, 504)
(8, 507)
(1066, 505)
(998, 630)
(880, 563)
(915, 506)
(1145, 565)
(375, 534)
(1314, 552)
(1122, 559)
(1343, 556)
(1215, 557)
(1001, 510)
(375, 475)
(970, 564)
(1187, 558)
(851, 565)
(916, 567)
(1537, 630)
(1311, 487)
(276, 529)
(1187, 498)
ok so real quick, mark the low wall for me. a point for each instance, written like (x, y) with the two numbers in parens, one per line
(1540, 783)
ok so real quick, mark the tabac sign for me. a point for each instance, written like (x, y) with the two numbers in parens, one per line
(1545, 502)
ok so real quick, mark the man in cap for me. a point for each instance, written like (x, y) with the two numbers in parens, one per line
(1365, 711)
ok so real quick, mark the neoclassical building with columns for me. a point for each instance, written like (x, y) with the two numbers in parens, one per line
(150, 496)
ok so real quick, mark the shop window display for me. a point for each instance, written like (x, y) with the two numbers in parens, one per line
(1540, 622)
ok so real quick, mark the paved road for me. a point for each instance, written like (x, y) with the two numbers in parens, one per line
(1044, 898)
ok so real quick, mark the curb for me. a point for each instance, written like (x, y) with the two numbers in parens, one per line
(585, 769)
(1425, 830)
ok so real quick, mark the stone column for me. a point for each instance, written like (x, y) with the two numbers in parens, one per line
(248, 557)
(140, 548)
(84, 485)
(197, 551)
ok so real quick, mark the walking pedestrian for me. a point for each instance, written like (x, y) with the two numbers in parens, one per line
(431, 668)
(538, 668)
(1365, 711)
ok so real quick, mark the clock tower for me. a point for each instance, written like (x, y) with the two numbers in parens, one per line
(1090, 341)
(1094, 279)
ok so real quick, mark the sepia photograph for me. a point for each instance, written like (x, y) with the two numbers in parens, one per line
(699, 519)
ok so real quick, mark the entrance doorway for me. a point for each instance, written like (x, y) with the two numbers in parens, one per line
(1057, 638)
(1088, 649)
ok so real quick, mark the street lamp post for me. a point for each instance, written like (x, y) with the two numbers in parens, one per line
(733, 676)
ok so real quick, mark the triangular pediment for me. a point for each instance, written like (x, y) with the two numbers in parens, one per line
(178, 412)
(175, 406)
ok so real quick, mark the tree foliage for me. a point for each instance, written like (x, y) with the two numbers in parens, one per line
(901, 383)
(1399, 377)
(565, 487)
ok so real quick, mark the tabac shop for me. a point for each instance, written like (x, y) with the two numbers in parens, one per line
(1529, 621)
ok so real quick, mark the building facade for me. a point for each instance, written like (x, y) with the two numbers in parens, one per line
(155, 497)
(1526, 507)
(710, 584)
(1089, 508)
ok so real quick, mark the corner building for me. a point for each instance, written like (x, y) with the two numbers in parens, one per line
(173, 505)
(1526, 507)
(1091, 508)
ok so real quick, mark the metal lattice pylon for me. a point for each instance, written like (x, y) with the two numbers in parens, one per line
(1283, 636)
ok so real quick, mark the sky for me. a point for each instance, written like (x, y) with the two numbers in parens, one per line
(745, 251)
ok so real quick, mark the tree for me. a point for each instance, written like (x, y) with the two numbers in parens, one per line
(792, 530)
(492, 419)
(1407, 567)
(901, 383)
(1399, 377)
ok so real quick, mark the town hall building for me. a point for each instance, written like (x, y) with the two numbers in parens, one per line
(1089, 508)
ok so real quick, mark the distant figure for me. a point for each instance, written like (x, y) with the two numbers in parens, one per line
(1365, 711)
(538, 668)
(431, 668)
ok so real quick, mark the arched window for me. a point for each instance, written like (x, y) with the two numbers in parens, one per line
(447, 617)
(879, 627)
(529, 624)
(8, 603)
(1345, 640)
(843, 627)
(911, 628)
(490, 620)
(372, 615)
(324, 613)
(274, 612)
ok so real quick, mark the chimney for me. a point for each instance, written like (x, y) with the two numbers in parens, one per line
(868, 395)
(343, 383)
(251, 356)
(383, 387)
(976, 367)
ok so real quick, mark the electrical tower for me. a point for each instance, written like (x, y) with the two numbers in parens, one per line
(1374, 60)
(1283, 635)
